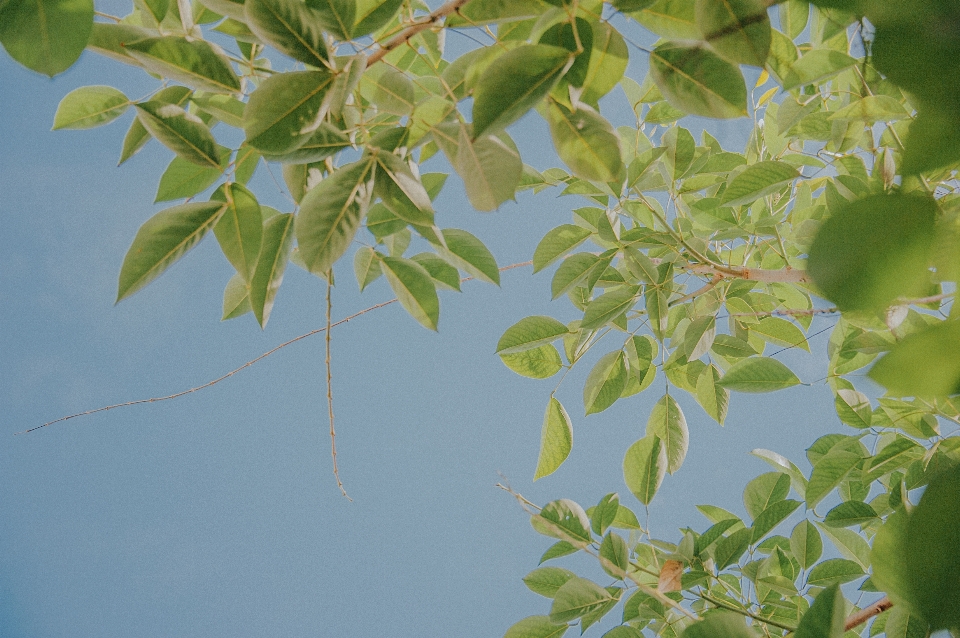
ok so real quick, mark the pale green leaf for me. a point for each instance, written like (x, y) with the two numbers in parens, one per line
(605, 382)
(183, 133)
(236, 298)
(667, 423)
(576, 598)
(712, 397)
(739, 30)
(698, 82)
(366, 266)
(758, 180)
(806, 544)
(414, 288)
(556, 440)
(530, 332)
(240, 228)
(825, 617)
(268, 275)
(539, 363)
(586, 142)
(536, 627)
(90, 106)
(196, 63)
(557, 243)
(758, 374)
(285, 110)
(644, 467)
(547, 580)
(609, 306)
(469, 253)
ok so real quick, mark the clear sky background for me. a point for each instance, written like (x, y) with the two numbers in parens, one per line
(217, 514)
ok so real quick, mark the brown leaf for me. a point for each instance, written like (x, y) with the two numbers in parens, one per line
(670, 576)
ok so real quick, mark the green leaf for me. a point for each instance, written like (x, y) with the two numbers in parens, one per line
(557, 550)
(515, 82)
(389, 89)
(758, 374)
(816, 65)
(162, 240)
(576, 598)
(932, 141)
(268, 275)
(530, 332)
(330, 214)
(825, 617)
(240, 228)
(338, 16)
(137, 135)
(872, 109)
(698, 82)
(729, 550)
(699, 336)
(850, 513)
(586, 142)
(285, 110)
(931, 552)
(806, 544)
(608, 61)
(572, 271)
(605, 382)
(182, 178)
(874, 250)
(758, 180)
(556, 440)
(764, 491)
(605, 513)
(923, 364)
(828, 472)
(236, 298)
(196, 63)
(401, 191)
(480, 12)
(672, 19)
(46, 36)
(609, 306)
(668, 424)
(850, 544)
(322, 143)
(109, 39)
(469, 253)
(834, 571)
(894, 455)
(90, 106)
(183, 133)
(712, 397)
(414, 288)
(366, 266)
(370, 15)
(614, 555)
(539, 363)
(490, 167)
(547, 580)
(901, 623)
(564, 519)
(772, 516)
(644, 467)
(739, 30)
(556, 243)
(536, 627)
(780, 462)
(290, 27)
(720, 624)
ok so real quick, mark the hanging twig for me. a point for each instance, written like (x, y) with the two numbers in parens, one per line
(333, 432)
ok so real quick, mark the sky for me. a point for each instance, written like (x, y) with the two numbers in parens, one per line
(217, 514)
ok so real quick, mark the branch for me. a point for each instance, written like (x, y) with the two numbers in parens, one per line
(864, 615)
(416, 27)
(333, 432)
(246, 365)
(744, 612)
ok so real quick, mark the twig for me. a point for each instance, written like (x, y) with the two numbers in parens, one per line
(701, 291)
(862, 616)
(245, 365)
(744, 612)
(333, 432)
(218, 379)
(416, 27)
(524, 503)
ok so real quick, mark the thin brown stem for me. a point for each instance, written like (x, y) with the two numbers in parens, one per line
(333, 432)
(416, 27)
(744, 612)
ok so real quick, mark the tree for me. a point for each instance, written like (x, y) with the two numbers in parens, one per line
(844, 192)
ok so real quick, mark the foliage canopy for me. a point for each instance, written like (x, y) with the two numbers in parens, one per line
(691, 265)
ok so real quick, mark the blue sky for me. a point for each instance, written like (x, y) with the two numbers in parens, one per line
(216, 514)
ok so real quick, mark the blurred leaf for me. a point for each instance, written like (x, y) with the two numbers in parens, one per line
(874, 250)
(720, 624)
(825, 617)
(739, 30)
(46, 36)
(698, 82)
(536, 627)
(586, 142)
(923, 364)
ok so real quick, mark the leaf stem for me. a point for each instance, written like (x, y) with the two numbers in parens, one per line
(333, 432)
(744, 612)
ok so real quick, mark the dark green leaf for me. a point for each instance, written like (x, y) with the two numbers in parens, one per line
(414, 288)
(739, 30)
(285, 110)
(183, 133)
(290, 27)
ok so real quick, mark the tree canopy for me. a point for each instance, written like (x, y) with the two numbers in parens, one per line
(688, 266)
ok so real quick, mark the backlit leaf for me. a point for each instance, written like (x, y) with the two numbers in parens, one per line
(414, 288)
(164, 239)
(699, 82)
(806, 544)
(556, 439)
(605, 382)
(547, 580)
(290, 27)
(586, 142)
(536, 627)
(539, 363)
(278, 233)
(644, 467)
(739, 30)
(758, 180)
(183, 133)
(825, 617)
(758, 374)
(90, 106)
(530, 332)
(557, 243)
(469, 253)
(577, 597)
(196, 63)
(240, 228)
(667, 423)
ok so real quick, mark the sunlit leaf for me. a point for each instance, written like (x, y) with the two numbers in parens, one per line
(667, 423)
(758, 180)
(586, 142)
(90, 106)
(758, 374)
(539, 363)
(739, 30)
(470, 254)
(290, 27)
(530, 332)
(576, 598)
(196, 63)
(164, 239)
(644, 467)
(183, 133)
(556, 439)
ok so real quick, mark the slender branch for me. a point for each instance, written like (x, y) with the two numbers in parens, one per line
(744, 612)
(416, 27)
(333, 432)
(701, 291)
(862, 616)
(245, 365)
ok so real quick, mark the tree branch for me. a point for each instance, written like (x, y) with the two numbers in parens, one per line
(416, 27)
(862, 616)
